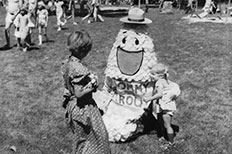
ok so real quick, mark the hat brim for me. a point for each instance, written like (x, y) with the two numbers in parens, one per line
(125, 20)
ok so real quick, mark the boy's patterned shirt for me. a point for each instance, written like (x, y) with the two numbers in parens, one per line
(73, 72)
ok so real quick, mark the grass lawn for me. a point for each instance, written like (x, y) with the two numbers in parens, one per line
(199, 56)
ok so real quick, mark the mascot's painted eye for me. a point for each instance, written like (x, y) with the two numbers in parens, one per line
(136, 42)
(124, 40)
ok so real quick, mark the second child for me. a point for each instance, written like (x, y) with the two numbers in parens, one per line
(165, 97)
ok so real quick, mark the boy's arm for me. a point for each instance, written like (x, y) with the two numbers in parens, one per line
(70, 4)
(154, 97)
(158, 94)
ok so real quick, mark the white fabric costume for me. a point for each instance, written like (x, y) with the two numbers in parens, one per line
(127, 80)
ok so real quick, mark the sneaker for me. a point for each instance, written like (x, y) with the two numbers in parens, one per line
(74, 23)
(59, 29)
(89, 22)
(24, 49)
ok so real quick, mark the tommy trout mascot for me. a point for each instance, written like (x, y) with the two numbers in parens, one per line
(127, 78)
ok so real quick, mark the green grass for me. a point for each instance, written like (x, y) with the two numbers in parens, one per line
(199, 56)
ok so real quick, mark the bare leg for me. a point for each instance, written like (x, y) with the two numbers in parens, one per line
(73, 14)
(40, 35)
(100, 18)
(167, 125)
(7, 36)
(45, 34)
(87, 16)
(95, 13)
(18, 40)
(29, 37)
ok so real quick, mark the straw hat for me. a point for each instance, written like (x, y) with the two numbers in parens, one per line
(136, 16)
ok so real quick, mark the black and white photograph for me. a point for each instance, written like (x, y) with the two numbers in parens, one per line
(115, 77)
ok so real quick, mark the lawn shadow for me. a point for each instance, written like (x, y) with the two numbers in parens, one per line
(49, 41)
(147, 124)
(155, 126)
(33, 48)
(2, 25)
(65, 28)
(3, 48)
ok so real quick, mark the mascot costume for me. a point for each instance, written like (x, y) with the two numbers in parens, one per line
(127, 78)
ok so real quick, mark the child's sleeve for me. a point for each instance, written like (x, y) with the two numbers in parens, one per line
(77, 73)
(159, 85)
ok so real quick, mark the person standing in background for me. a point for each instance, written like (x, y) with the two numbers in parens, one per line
(72, 9)
(42, 20)
(12, 9)
(59, 13)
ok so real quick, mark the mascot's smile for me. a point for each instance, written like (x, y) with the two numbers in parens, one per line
(129, 62)
(131, 56)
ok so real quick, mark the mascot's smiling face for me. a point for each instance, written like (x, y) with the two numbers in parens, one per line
(131, 56)
(130, 47)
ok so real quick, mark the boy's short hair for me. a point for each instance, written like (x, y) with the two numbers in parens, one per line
(159, 68)
(79, 43)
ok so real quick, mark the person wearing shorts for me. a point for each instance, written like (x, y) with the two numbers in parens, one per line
(164, 100)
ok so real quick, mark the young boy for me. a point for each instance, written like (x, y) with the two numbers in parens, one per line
(42, 21)
(167, 92)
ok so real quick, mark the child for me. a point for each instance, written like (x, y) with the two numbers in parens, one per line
(167, 92)
(71, 7)
(22, 23)
(59, 13)
(42, 21)
(83, 115)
